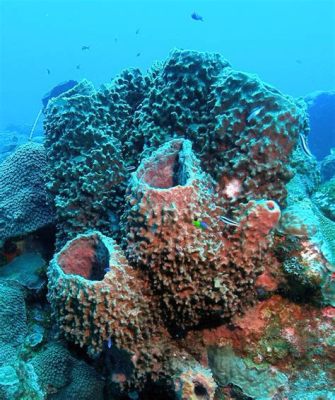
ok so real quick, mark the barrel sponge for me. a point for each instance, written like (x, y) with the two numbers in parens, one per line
(256, 131)
(13, 319)
(96, 296)
(85, 152)
(193, 382)
(98, 299)
(24, 205)
(178, 99)
(241, 128)
(197, 273)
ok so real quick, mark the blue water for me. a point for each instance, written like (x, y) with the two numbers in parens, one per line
(290, 44)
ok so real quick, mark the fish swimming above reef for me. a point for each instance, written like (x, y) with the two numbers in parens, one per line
(304, 145)
(229, 221)
(254, 114)
(197, 17)
(85, 48)
(200, 224)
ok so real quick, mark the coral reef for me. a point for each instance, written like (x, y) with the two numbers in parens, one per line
(306, 246)
(186, 167)
(24, 205)
(194, 243)
(274, 350)
(94, 291)
(29, 368)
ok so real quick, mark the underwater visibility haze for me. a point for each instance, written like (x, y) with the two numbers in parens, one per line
(167, 200)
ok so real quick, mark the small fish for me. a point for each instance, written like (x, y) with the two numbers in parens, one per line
(109, 343)
(133, 395)
(137, 31)
(304, 145)
(197, 17)
(115, 40)
(130, 167)
(107, 269)
(229, 221)
(298, 61)
(78, 66)
(48, 71)
(138, 54)
(254, 114)
(200, 224)
(85, 48)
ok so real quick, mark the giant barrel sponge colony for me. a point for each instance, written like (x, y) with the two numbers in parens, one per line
(185, 168)
(242, 130)
(183, 275)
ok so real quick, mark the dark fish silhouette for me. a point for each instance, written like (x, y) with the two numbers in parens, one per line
(138, 54)
(229, 221)
(298, 61)
(78, 66)
(58, 90)
(137, 31)
(85, 48)
(48, 71)
(197, 17)
(115, 40)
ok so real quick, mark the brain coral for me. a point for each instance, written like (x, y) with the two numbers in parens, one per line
(24, 205)
(13, 320)
(52, 366)
(61, 376)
